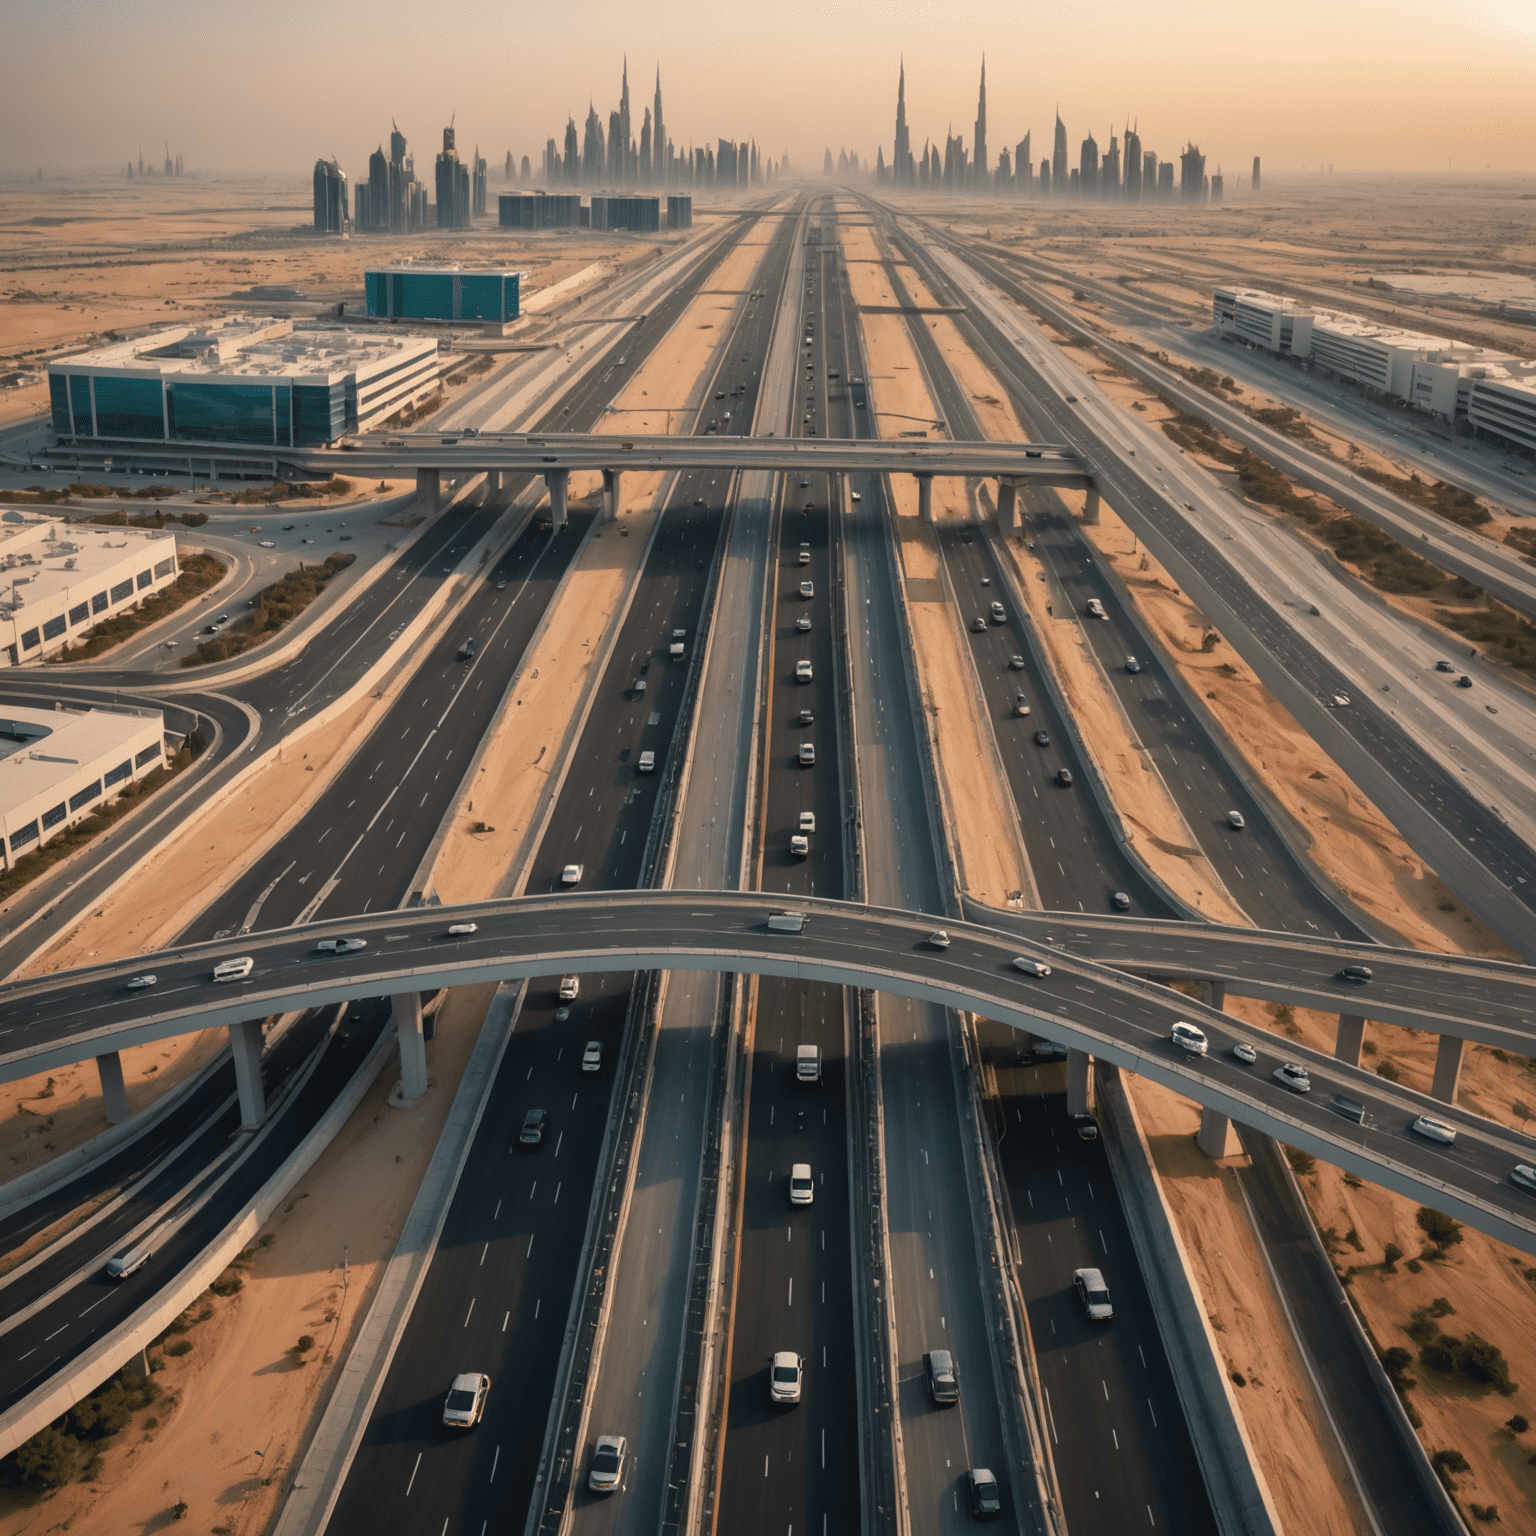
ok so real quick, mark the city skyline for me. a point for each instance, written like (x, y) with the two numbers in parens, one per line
(1460, 100)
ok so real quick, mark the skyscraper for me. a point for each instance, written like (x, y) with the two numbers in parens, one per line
(658, 138)
(901, 155)
(594, 156)
(1024, 168)
(330, 197)
(979, 161)
(1109, 170)
(1058, 159)
(477, 193)
(452, 186)
(1132, 165)
(1255, 182)
(571, 162)
(625, 159)
(645, 147)
(1191, 175)
(1088, 167)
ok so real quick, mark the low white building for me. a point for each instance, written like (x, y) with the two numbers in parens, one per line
(57, 579)
(57, 766)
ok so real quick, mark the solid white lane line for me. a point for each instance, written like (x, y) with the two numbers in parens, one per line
(470, 1313)
(414, 1470)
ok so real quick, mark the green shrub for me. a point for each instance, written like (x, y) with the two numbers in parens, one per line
(1395, 1362)
(198, 573)
(1485, 1512)
(1302, 1163)
(1439, 1228)
(1390, 1255)
(227, 1284)
(1518, 1424)
(274, 607)
(44, 1462)
(179, 1347)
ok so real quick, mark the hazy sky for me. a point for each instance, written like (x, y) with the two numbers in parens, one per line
(1367, 84)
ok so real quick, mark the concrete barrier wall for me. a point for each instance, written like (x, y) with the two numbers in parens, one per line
(1234, 1480)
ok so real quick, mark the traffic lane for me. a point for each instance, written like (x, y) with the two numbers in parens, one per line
(1058, 823)
(1262, 873)
(85, 1314)
(789, 1465)
(1129, 1461)
(496, 1296)
(1382, 742)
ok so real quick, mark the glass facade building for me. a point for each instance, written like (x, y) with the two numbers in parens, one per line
(443, 293)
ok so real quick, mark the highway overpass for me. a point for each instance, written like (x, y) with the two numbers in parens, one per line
(70, 1015)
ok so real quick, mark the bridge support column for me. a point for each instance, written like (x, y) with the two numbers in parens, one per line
(139, 1364)
(1215, 1133)
(1346, 1044)
(429, 485)
(1077, 1082)
(245, 1041)
(114, 1092)
(1215, 994)
(610, 495)
(1447, 1068)
(493, 494)
(925, 497)
(1091, 507)
(406, 1009)
(557, 480)
(1008, 518)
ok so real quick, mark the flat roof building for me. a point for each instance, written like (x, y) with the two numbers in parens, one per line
(59, 579)
(443, 293)
(539, 210)
(241, 381)
(57, 766)
(634, 213)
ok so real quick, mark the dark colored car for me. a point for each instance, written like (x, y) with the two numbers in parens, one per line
(1064, 777)
(986, 1497)
(1042, 738)
(1356, 974)
(532, 1132)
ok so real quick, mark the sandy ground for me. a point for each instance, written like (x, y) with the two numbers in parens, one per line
(1492, 1289)
(1284, 1418)
(987, 848)
(240, 1391)
(90, 255)
(1352, 842)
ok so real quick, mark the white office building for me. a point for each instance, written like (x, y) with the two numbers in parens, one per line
(1491, 391)
(57, 766)
(57, 579)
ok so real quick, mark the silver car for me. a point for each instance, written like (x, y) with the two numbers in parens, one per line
(607, 1471)
(1435, 1130)
(1294, 1076)
(1093, 1292)
(466, 1400)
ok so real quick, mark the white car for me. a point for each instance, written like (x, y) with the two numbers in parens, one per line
(1237, 819)
(1096, 609)
(1188, 1038)
(569, 987)
(800, 847)
(807, 754)
(339, 946)
(1293, 1076)
(802, 1188)
(1524, 1175)
(463, 930)
(142, 981)
(1245, 1052)
(803, 623)
(466, 1400)
(807, 821)
(1030, 966)
(234, 970)
(784, 1377)
(1094, 1294)
(854, 496)
(807, 589)
(592, 1056)
(1435, 1130)
(939, 940)
(803, 672)
(572, 873)
(607, 1470)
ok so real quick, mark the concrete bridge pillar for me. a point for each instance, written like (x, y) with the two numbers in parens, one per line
(558, 480)
(493, 494)
(1215, 1133)
(429, 485)
(1346, 1044)
(245, 1041)
(925, 497)
(1077, 1082)
(610, 494)
(1447, 1068)
(1008, 518)
(1215, 994)
(114, 1092)
(1091, 506)
(406, 1010)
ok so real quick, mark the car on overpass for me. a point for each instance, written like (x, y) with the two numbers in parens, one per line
(572, 873)
(532, 1132)
(234, 970)
(1355, 975)
(1093, 1292)
(1245, 1052)
(592, 1056)
(1189, 1037)
(803, 674)
(802, 1187)
(140, 982)
(784, 1377)
(340, 946)
(985, 1496)
(1026, 963)
(465, 1402)
(606, 1473)
(570, 986)
(1435, 1130)
(1292, 1075)
(807, 754)
(943, 1377)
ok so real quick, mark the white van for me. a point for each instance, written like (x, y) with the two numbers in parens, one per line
(234, 970)
(786, 922)
(647, 763)
(807, 1063)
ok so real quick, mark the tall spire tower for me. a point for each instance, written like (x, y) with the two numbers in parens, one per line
(658, 136)
(979, 170)
(623, 156)
(901, 160)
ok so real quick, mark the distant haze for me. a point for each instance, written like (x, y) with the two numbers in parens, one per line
(268, 88)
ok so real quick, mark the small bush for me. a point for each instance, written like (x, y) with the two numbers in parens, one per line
(1413, 1266)
(1445, 1463)
(1352, 1237)
(1439, 1307)
(179, 1510)
(44, 1462)
(1388, 1071)
(179, 1347)
(1439, 1228)
(305, 1344)
(1395, 1363)
(1390, 1255)
(1238, 1379)
(227, 1284)
(1485, 1512)
(1485, 1364)
(1518, 1424)
(275, 606)
(1302, 1163)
